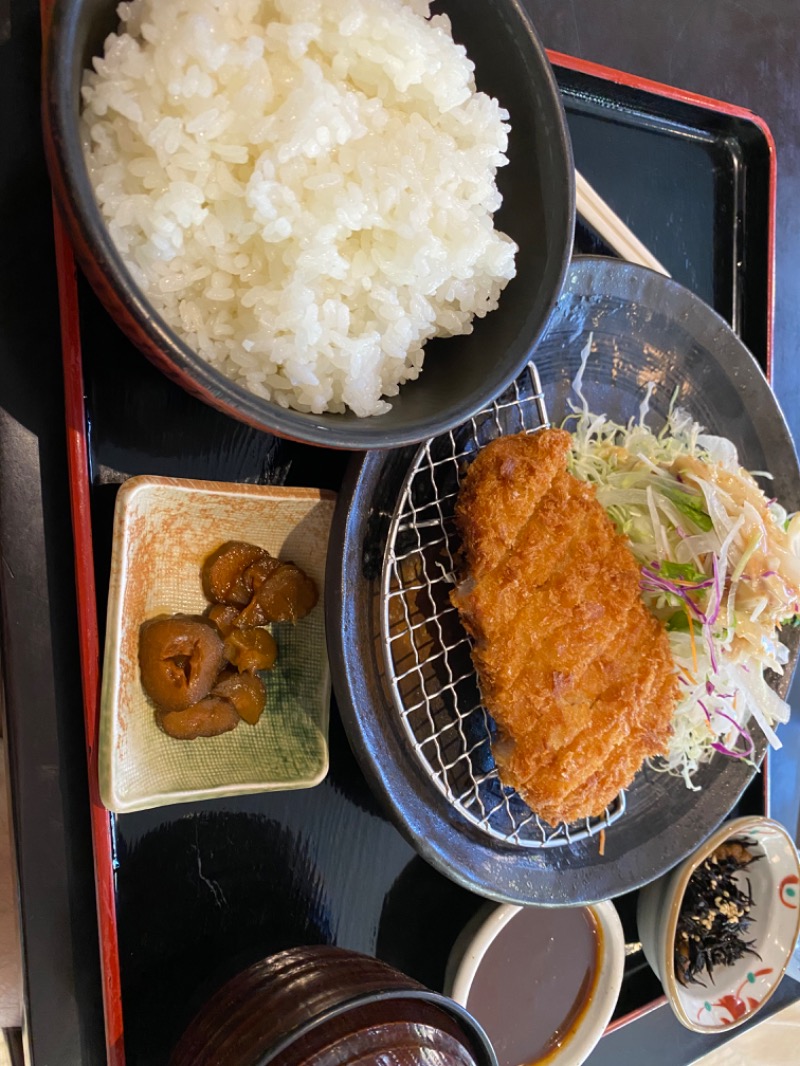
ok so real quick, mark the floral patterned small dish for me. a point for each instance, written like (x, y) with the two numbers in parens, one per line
(738, 990)
(164, 529)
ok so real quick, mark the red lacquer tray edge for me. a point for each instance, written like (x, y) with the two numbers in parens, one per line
(88, 636)
(708, 103)
(89, 644)
(78, 462)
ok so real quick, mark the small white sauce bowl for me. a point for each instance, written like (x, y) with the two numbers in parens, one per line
(473, 943)
(740, 990)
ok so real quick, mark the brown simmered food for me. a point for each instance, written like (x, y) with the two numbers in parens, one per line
(183, 660)
(225, 572)
(245, 691)
(715, 917)
(267, 590)
(250, 649)
(286, 595)
(179, 659)
(262, 571)
(208, 717)
(223, 616)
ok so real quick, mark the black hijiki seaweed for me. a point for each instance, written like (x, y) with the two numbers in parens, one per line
(715, 914)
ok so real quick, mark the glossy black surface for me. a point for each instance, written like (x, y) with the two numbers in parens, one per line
(538, 212)
(296, 1005)
(746, 54)
(693, 185)
(642, 328)
(321, 849)
(40, 703)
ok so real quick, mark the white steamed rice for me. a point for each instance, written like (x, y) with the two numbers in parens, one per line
(303, 189)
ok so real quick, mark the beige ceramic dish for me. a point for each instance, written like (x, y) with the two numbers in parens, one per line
(477, 937)
(163, 530)
(740, 990)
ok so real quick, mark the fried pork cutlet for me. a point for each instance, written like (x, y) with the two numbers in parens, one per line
(574, 669)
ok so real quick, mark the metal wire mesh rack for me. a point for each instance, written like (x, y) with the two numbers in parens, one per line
(427, 652)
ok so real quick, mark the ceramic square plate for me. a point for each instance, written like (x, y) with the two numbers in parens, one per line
(164, 528)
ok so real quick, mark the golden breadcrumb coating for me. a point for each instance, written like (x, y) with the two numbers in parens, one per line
(576, 672)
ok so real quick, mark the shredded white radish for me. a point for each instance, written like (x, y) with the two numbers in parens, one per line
(720, 567)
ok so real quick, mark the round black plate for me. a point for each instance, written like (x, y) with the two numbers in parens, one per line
(645, 328)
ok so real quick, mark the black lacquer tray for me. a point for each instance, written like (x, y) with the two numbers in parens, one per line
(189, 894)
(425, 751)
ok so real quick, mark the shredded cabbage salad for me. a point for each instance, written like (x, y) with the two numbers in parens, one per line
(720, 566)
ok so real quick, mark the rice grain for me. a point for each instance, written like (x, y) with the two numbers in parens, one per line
(304, 189)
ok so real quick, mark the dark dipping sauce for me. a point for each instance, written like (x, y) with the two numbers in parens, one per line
(535, 982)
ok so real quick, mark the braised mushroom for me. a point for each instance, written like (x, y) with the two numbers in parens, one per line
(245, 691)
(179, 659)
(224, 572)
(208, 717)
(287, 595)
(251, 649)
(223, 616)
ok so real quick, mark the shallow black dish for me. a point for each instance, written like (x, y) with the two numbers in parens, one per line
(645, 327)
(461, 374)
